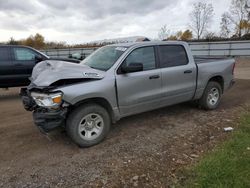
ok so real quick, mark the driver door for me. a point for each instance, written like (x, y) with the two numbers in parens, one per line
(139, 91)
(24, 59)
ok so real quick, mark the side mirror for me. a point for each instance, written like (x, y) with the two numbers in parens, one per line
(38, 58)
(132, 67)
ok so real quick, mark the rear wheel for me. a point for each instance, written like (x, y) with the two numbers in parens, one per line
(88, 125)
(212, 96)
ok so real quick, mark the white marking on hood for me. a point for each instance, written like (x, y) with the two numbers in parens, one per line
(91, 74)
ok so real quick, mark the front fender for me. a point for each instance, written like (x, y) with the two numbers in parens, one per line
(75, 93)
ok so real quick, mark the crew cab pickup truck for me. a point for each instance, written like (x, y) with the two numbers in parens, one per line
(121, 80)
(17, 62)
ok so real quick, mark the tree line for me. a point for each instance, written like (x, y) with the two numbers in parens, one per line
(37, 41)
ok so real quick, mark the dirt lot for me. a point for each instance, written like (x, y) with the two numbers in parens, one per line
(143, 150)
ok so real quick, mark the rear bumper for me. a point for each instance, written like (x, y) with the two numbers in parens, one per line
(45, 119)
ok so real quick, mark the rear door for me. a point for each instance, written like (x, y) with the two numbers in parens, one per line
(6, 66)
(139, 91)
(178, 74)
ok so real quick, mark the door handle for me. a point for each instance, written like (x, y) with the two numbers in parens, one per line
(154, 77)
(18, 64)
(188, 71)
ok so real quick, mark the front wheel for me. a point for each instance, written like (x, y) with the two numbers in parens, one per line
(212, 96)
(88, 125)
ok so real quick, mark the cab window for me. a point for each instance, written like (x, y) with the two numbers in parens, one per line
(172, 55)
(144, 55)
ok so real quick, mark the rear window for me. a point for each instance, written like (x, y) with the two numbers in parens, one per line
(4, 54)
(173, 55)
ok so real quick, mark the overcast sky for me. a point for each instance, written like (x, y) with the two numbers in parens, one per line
(79, 21)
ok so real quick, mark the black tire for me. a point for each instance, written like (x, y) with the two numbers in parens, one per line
(75, 118)
(204, 100)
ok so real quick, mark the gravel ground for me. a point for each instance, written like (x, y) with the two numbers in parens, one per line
(144, 150)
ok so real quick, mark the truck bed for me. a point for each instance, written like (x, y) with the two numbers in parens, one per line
(208, 59)
(210, 66)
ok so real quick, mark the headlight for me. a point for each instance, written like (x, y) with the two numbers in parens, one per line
(47, 100)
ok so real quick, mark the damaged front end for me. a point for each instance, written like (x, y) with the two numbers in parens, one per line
(47, 118)
(43, 96)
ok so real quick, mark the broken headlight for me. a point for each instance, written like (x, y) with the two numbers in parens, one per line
(51, 100)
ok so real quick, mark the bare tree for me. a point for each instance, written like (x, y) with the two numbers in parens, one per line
(225, 25)
(209, 36)
(163, 33)
(201, 17)
(247, 7)
(239, 16)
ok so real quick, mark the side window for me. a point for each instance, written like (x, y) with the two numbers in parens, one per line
(174, 55)
(24, 54)
(4, 54)
(144, 55)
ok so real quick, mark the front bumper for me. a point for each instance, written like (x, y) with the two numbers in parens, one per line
(48, 121)
(45, 119)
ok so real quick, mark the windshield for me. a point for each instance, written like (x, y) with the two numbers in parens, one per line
(104, 58)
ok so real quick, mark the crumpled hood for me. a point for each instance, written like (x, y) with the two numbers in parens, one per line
(47, 72)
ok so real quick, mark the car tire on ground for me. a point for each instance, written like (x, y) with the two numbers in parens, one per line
(211, 97)
(88, 124)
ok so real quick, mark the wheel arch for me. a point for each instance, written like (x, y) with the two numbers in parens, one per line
(219, 79)
(99, 101)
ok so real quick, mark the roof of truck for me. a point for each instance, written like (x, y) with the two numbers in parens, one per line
(148, 43)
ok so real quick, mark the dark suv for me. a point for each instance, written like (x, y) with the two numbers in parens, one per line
(17, 62)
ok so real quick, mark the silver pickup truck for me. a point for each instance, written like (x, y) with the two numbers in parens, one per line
(121, 80)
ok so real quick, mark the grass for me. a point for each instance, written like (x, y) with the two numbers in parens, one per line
(227, 166)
